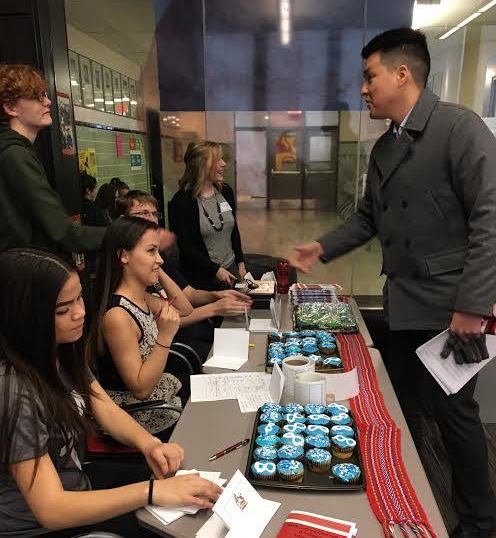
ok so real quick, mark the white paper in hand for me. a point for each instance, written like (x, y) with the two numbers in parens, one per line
(450, 375)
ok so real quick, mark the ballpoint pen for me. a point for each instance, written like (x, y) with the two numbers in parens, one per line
(228, 449)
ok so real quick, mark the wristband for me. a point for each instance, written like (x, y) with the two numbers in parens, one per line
(161, 345)
(150, 490)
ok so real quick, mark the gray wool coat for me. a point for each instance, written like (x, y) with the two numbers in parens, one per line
(431, 200)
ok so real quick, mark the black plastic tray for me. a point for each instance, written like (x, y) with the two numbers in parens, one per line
(318, 369)
(311, 481)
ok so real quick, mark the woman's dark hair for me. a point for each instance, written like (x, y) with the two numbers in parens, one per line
(88, 183)
(31, 281)
(120, 185)
(123, 234)
(105, 198)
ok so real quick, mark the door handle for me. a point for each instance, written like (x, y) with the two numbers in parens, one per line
(285, 171)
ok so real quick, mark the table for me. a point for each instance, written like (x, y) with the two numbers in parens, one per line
(202, 430)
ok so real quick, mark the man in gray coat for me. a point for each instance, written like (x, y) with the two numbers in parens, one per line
(431, 200)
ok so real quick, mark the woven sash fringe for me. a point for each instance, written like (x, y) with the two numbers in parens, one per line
(389, 490)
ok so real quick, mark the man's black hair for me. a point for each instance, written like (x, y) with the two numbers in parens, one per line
(402, 46)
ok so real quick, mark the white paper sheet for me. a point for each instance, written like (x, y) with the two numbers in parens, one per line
(242, 509)
(342, 386)
(213, 387)
(168, 515)
(450, 375)
(214, 527)
(230, 349)
(268, 325)
(249, 402)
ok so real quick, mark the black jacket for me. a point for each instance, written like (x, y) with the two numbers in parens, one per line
(32, 212)
(184, 221)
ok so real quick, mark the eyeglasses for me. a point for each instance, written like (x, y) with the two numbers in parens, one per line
(42, 96)
(145, 214)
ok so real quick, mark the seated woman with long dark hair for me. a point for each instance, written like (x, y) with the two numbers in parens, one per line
(132, 330)
(47, 393)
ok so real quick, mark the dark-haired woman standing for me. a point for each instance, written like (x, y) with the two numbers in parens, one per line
(47, 392)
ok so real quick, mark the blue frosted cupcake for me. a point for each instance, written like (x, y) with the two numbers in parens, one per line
(347, 431)
(291, 334)
(307, 333)
(315, 409)
(268, 453)
(270, 416)
(290, 452)
(268, 429)
(335, 409)
(318, 418)
(290, 470)
(342, 447)
(342, 419)
(292, 439)
(297, 427)
(332, 362)
(267, 440)
(327, 348)
(316, 429)
(317, 359)
(346, 473)
(293, 408)
(274, 360)
(317, 441)
(309, 348)
(292, 418)
(264, 470)
(318, 460)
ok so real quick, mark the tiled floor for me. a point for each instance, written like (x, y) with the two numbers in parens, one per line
(277, 231)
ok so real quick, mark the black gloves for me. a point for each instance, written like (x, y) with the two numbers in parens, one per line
(474, 350)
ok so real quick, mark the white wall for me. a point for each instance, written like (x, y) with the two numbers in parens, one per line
(87, 46)
(446, 59)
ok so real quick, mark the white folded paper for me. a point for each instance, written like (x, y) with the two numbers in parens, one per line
(242, 509)
(249, 402)
(230, 349)
(450, 375)
(214, 387)
(168, 515)
(268, 325)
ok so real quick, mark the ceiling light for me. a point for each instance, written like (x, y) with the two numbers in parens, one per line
(468, 19)
(487, 6)
(285, 21)
(425, 14)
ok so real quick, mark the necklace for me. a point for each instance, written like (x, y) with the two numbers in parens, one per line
(221, 218)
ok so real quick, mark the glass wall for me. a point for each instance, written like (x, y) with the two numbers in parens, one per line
(277, 82)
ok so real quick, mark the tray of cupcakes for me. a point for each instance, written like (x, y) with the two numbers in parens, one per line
(305, 447)
(335, 317)
(320, 346)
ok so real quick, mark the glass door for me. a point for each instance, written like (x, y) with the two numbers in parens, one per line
(320, 178)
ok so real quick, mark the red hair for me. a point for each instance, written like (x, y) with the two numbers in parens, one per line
(16, 81)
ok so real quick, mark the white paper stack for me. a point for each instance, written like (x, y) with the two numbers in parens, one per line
(168, 515)
(450, 375)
